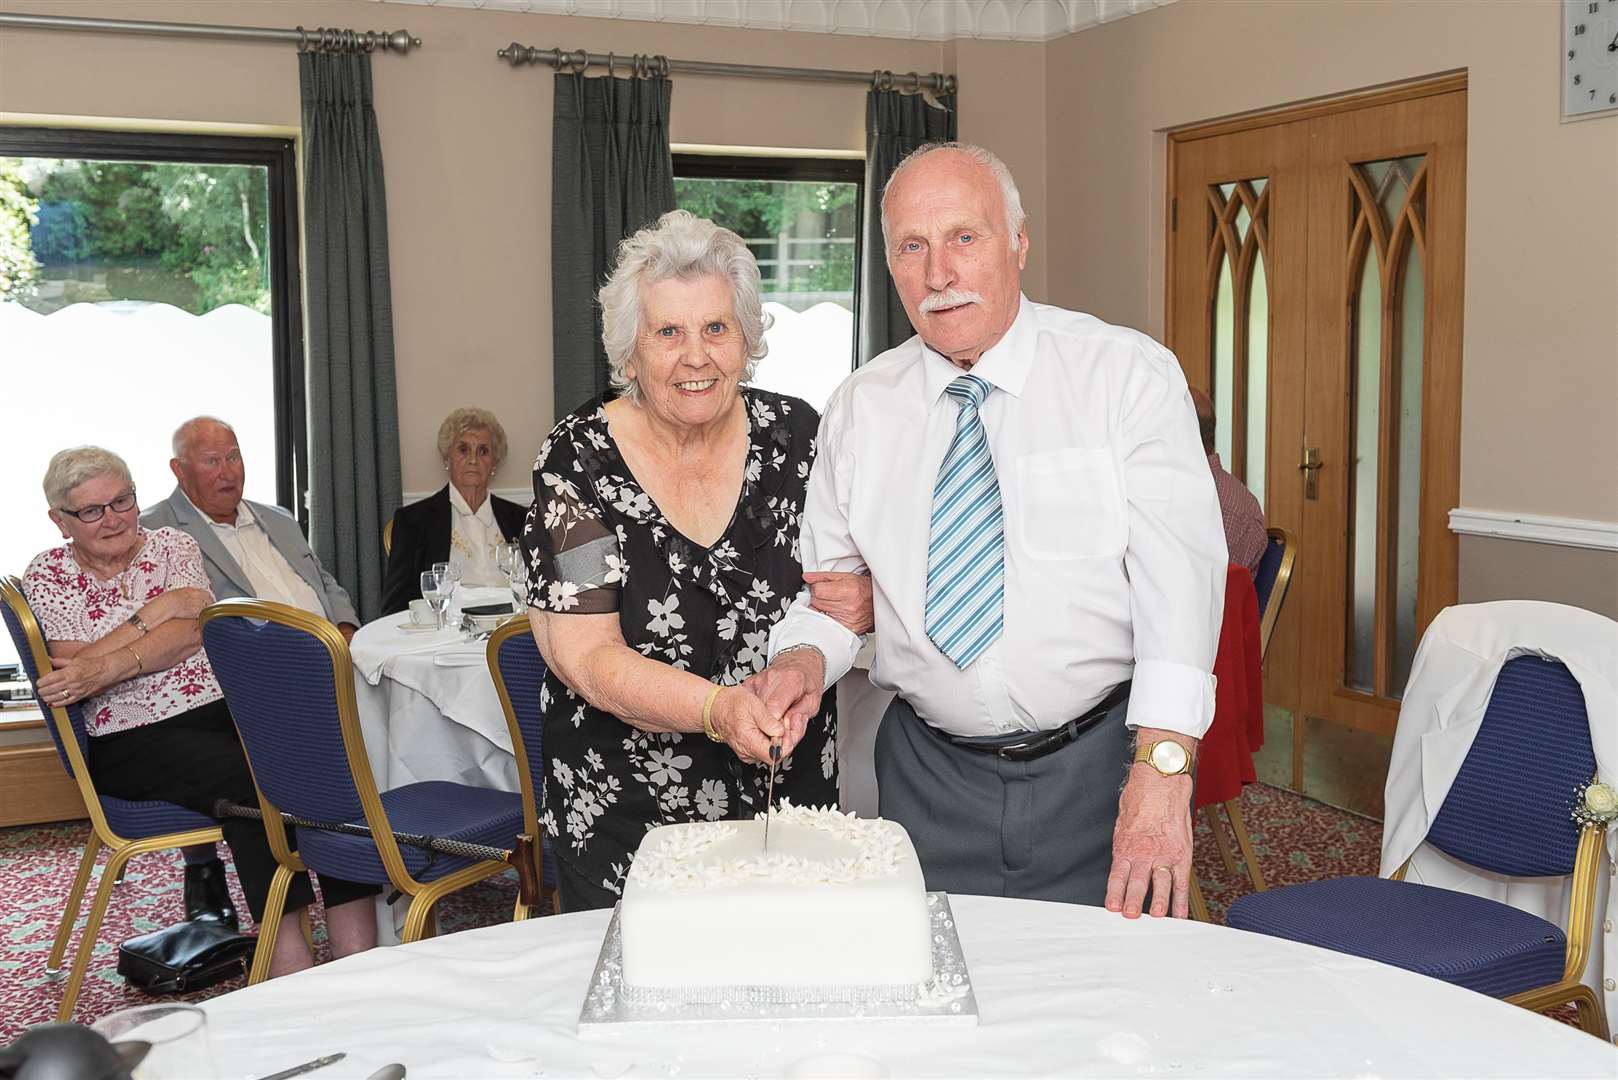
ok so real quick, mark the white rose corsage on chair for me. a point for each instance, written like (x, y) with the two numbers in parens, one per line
(1595, 804)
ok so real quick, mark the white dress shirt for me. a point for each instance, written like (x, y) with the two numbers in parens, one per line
(1114, 551)
(1453, 675)
(267, 570)
(473, 537)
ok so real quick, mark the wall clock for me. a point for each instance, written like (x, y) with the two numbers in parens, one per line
(1589, 58)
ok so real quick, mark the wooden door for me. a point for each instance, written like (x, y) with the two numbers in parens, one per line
(1353, 399)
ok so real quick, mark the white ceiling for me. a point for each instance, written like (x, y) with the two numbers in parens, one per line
(924, 20)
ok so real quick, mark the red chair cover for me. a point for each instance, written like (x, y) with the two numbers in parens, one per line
(1225, 757)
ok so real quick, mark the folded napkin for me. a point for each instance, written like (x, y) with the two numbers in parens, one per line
(472, 654)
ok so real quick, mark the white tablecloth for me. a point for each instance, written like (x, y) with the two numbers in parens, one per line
(1062, 991)
(428, 706)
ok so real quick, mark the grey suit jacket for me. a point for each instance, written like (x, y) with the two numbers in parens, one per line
(226, 575)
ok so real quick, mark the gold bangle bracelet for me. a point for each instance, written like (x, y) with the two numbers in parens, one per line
(707, 715)
(140, 665)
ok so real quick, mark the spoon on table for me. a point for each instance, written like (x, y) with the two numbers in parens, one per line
(388, 1072)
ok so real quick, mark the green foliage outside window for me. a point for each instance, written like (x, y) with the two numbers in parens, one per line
(762, 210)
(194, 235)
(18, 213)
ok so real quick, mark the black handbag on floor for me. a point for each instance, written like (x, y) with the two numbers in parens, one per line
(186, 956)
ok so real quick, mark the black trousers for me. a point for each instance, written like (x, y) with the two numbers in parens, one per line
(192, 759)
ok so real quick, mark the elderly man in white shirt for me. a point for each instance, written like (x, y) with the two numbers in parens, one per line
(1027, 489)
(248, 548)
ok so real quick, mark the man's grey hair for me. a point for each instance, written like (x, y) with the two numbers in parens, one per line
(461, 421)
(680, 245)
(1009, 195)
(70, 468)
(180, 444)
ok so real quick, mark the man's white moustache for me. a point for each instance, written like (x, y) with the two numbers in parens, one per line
(950, 298)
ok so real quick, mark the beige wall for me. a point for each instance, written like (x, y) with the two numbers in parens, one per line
(1540, 398)
(467, 142)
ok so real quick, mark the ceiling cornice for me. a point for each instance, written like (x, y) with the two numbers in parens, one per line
(923, 20)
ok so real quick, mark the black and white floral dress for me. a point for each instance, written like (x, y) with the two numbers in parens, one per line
(595, 542)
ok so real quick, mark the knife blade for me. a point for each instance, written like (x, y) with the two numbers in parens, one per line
(307, 1067)
(769, 793)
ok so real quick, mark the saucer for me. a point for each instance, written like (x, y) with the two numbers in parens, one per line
(408, 627)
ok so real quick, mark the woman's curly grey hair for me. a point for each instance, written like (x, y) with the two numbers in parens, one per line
(461, 421)
(70, 468)
(680, 245)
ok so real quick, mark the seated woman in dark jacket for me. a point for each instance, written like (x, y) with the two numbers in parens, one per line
(462, 523)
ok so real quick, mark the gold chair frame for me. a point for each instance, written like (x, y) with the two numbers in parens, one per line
(423, 895)
(1581, 915)
(516, 627)
(121, 849)
(1232, 807)
(387, 539)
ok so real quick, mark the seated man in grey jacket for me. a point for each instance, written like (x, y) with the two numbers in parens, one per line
(248, 549)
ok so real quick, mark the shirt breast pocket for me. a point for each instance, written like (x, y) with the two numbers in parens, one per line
(1071, 504)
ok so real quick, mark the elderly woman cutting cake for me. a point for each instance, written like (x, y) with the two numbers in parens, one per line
(661, 547)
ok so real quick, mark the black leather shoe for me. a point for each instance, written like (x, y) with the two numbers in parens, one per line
(207, 897)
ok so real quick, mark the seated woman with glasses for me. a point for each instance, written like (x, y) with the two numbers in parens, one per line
(118, 605)
(463, 522)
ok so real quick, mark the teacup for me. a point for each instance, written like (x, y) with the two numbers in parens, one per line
(421, 614)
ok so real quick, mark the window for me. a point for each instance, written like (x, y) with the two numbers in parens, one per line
(145, 279)
(801, 219)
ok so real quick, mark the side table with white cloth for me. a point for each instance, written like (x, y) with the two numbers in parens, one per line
(1062, 990)
(1450, 682)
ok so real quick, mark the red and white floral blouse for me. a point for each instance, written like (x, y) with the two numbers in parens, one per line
(74, 605)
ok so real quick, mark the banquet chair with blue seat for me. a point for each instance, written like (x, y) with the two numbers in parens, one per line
(1507, 813)
(289, 682)
(519, 678)
(126, 828)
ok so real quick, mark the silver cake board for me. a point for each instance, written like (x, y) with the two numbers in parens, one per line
(946, 999)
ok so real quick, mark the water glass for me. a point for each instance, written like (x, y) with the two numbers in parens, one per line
(505, 555)
(178, 1035)
(436, 591)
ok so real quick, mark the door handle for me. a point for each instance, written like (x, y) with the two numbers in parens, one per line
(1310, 465)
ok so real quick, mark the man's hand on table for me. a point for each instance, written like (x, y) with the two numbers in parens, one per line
(347, 630)
(1151, 842)
(790, 689)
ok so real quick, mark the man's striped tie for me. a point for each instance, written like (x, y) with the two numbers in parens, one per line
(966, 561)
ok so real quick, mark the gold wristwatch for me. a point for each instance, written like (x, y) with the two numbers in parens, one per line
(1168, 757)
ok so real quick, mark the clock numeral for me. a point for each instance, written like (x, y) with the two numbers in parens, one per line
(1594, 7)
(1577, 79)
(1578, 30)
(1592, 95)
(1612, 99)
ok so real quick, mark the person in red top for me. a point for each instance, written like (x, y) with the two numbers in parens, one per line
(118, 606)
(1245, 534)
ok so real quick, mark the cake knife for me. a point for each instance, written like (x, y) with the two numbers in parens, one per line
(769, 793)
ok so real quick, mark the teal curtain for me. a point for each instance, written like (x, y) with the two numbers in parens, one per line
(895, 124)
(354, 481)
(611, 175)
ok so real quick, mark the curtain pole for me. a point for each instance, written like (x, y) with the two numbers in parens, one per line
(320, 39)
(517, 55)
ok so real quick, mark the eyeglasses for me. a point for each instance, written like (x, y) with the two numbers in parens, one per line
(92, 513)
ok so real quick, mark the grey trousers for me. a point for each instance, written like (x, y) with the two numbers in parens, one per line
(986, 826)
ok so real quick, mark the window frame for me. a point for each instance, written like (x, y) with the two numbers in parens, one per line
(838, 170)
(278, 157)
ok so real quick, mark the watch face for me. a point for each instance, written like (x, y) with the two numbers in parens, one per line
(1168, 757)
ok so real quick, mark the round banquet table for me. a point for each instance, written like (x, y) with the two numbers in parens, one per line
(1062, 990)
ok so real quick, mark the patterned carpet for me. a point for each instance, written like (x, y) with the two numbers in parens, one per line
(1296, 839)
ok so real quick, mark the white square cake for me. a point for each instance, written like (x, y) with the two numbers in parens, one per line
(838, 901)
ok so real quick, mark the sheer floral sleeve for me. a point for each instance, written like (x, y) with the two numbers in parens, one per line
(575, 561)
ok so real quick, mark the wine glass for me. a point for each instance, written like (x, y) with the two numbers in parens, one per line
(436, 591)
(505, 554)
(518, 576)
(178, 1035)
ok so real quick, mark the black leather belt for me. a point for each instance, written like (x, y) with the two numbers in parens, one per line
(1027, 746)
